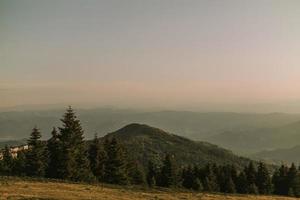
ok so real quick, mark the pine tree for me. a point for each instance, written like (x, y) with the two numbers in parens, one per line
(225, 180)
(93, 151)
(74, 164)
(280, 181)
(97, 158)
(188, 177)
(20, 164)
(54, 153)
(296, 186)
(242, 186)
(222, 174)
(230, 187)
(115, 163)
(286, 181)
(210, 181)
(250, 172)
(263, 179)
(276, 180)
(136, 173)
(234, 174)
(36, 162)
(198, 173)
(292, 176)
(253, 189)
(197, 185)
(6, 162)
(168, 174)
(151, 174)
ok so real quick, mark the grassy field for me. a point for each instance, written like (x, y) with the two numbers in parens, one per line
(17, 189)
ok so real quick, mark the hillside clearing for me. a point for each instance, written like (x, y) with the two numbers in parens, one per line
(34, 190)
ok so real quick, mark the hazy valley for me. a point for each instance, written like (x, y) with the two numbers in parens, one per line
(244, 134)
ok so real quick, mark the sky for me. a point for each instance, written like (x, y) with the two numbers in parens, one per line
(221, 55)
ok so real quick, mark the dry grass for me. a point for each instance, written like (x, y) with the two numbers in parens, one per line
(34, 190)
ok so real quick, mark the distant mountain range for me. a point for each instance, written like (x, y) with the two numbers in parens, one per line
(242, 133)
(146, 143)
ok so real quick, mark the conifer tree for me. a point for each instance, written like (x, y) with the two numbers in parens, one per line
(198, 173)
(276, 180)
(296, 186)
(280, 181)
(54, 153)
(220, 173)
(20, 164)
(188, 177)
(222, 178)
(225, 180)
(168, 173)
(197, 185)
(242, 186)
(36, 156)
(151, 174)
(292, 178)
(263, 179)
(230, 186)
(97, 158)
(136, 173)
(234, 174)
(253, 189)
(250, 172)
(210, 181)
(115, 163)
(93, 151)
(7, 162)
(74, 155)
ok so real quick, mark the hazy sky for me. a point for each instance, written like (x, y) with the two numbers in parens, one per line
(222, 54)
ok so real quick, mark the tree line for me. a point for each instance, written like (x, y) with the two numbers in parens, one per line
(67, 156)
(253, 179)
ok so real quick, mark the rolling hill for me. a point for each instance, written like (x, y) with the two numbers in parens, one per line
(144, 142)
(253, 141)
(279, 156)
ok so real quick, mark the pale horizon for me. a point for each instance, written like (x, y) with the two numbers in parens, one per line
(239, 56)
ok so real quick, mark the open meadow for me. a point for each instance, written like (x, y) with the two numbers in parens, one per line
(18, 189)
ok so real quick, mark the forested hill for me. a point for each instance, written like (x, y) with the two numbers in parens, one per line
(147, 143)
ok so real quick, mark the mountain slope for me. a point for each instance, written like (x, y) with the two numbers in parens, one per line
(253, 141)
(144, 142)
(279, 156)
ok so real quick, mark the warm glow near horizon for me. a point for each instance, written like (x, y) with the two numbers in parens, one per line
(219, 55)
